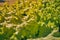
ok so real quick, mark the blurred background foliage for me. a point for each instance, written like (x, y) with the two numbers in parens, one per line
(28, 19)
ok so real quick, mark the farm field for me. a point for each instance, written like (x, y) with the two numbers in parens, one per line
(30, 20)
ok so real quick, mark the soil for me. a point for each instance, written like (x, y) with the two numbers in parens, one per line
(9, 2)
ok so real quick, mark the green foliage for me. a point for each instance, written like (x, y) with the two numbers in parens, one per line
(33, 30)
(42, 16)
(56, 34)
(44, 31)
(7, 33)
(28, 31)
